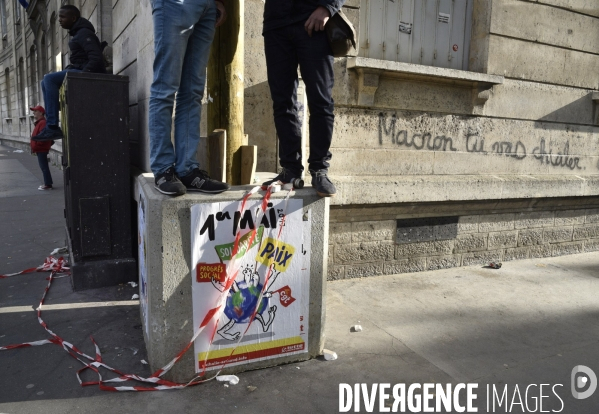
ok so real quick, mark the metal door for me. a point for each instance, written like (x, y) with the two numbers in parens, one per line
(426, 32)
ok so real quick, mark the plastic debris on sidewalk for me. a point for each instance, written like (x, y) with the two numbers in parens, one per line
(143, 361)
(231, 379)
(356, 328)
(495, 265)
(133, 284)
(136, 296)
(329, 355)
(251, 388)
(18, 151)
(59, 250)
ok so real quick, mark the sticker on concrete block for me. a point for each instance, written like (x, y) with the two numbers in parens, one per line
(142, 259)
(280, 256)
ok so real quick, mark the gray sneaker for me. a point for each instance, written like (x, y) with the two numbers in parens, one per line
(321, 183)
(198, 180)
(168, 183)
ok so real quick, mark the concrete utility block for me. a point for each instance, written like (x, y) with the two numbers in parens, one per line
(517, 253)
(168, 324)
(503, 239)
(530, 237)
(405, 266)
(557, 234)
(443, 262)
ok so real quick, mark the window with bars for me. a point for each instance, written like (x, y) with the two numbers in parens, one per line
(426, 32)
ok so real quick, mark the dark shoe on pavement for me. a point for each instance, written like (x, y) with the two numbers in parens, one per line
(49, 134)
(287, 176)
(168, 183)
(44, 187)
(321, 183)
(198, 180)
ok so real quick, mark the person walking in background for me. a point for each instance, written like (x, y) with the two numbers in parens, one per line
(41, 148)
(183, 34)
(85, 56)
(294, 35)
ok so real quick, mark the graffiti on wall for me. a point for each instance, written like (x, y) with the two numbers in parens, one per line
(474, 143)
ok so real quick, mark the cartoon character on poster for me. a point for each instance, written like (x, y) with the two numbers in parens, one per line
(267, 255)
(142, 259)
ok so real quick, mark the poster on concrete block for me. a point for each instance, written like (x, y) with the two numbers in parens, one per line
(280, 327)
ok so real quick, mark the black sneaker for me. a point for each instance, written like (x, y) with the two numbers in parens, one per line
(198, 180)
(49, 134)
(168, 183)
(287, 176)
(321, 183)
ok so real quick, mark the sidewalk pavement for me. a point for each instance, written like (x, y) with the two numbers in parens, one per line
(530, 322)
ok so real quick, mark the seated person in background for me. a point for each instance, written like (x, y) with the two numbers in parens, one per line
(85, 56)
(41, 148)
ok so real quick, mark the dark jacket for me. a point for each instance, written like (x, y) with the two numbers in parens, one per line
(279, 13)
(40, 146)
(86, 51)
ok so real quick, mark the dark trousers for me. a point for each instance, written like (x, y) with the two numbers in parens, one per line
(42, 159)
(285, 49)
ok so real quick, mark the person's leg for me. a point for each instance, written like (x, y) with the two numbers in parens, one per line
(42, 159)
(189, 98)
(281, 65)
(50, 88)
(173, 25)
(316, 66)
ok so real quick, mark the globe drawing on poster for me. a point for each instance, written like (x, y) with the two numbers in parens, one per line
(266, 253)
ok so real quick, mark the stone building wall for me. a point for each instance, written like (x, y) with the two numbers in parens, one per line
(379, 243)
(515, 133)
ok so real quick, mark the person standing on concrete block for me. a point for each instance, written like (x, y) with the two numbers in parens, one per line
(85, 56)
(183, 34)
(294, 35)
(41, 148)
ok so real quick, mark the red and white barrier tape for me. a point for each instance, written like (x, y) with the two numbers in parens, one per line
(57, 266)
(50, 264)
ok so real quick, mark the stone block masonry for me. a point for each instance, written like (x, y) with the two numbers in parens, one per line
(401, 242)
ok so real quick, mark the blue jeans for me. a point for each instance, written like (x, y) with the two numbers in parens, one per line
(42, 159)
(183, 33)
(50, 89)
(286, 48)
